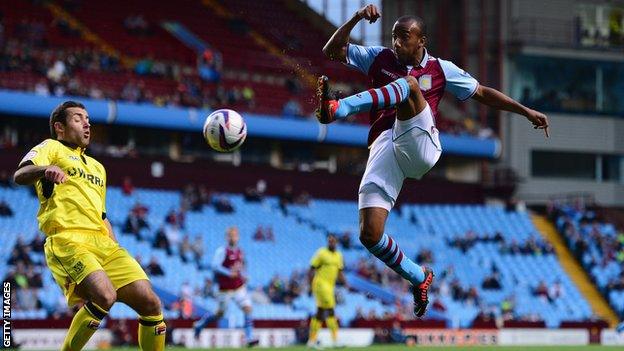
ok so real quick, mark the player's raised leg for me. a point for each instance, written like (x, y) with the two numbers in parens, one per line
(140, 296)
(373, 99)
(98, 292)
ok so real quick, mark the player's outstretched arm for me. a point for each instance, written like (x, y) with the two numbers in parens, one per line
(500, 101)
(343, 279)
(29, 174)
(336, 48)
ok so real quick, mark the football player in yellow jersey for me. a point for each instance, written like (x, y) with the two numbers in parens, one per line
(81, 249)
(325, 268)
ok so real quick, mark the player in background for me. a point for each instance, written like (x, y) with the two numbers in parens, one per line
(228, 265)
(326, 266)
(80, 248)
(403, 139)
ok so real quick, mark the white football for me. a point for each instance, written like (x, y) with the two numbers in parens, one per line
(225, 130)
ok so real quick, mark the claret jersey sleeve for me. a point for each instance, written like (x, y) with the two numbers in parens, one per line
(362, 57)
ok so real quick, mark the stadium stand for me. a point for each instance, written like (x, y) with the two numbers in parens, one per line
(598, 246)
(88, 50)
(521, 261)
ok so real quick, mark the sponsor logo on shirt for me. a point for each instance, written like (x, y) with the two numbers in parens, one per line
(394, 76)
(79, 172)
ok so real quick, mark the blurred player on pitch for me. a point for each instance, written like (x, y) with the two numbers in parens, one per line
(81, 249)
(403, 139)
(228, 264)
(325, 268)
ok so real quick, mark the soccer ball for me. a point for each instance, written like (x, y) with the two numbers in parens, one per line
(225, 130)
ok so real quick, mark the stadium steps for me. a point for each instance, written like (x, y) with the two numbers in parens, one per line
(574, 270)
(87, 34)
(308, 78)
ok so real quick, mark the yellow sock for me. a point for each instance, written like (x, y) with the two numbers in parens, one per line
(332, 324)
(83, 325)
(315, 325)
(152, 332)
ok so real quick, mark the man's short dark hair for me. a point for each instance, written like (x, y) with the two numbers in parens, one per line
(60, 115)
(419, 21)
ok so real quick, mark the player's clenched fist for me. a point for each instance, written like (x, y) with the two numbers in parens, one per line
(369, 13)
(55, 174)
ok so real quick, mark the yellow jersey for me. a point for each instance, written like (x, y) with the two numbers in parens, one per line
(79, 204)
(328, 264)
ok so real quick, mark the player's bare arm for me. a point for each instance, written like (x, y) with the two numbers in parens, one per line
(342, 279)
(336, 47)
(111, 233)
(500, 101)
(311, 273)
(29, 174)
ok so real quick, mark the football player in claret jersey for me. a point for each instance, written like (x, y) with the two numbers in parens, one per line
(228, 265)
(325, 268)
(403, 139)
(80, 248)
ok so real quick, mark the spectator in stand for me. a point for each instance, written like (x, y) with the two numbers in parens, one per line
(198, 250)
(135, 222)
(259, 233)
(174, 217)
(36, 245)
(173, 235)
(256, 194)
(345, 240)
(425, 257)
(303, 199)
(137, 25)
(276, 289)
(541, 291)
(191, 198)
(5, 210)
(555, 291)
(185, 249)
(508, 306)
(223, 205)
(184, 305)
(286, 198)
(161, 241)
(249, 96)
(126, 186)
(209, 65)
(251, 195)
(292, 109)
(204, 195)
(154, 268)
(264, 233)
(492, 282)
(20, 253)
